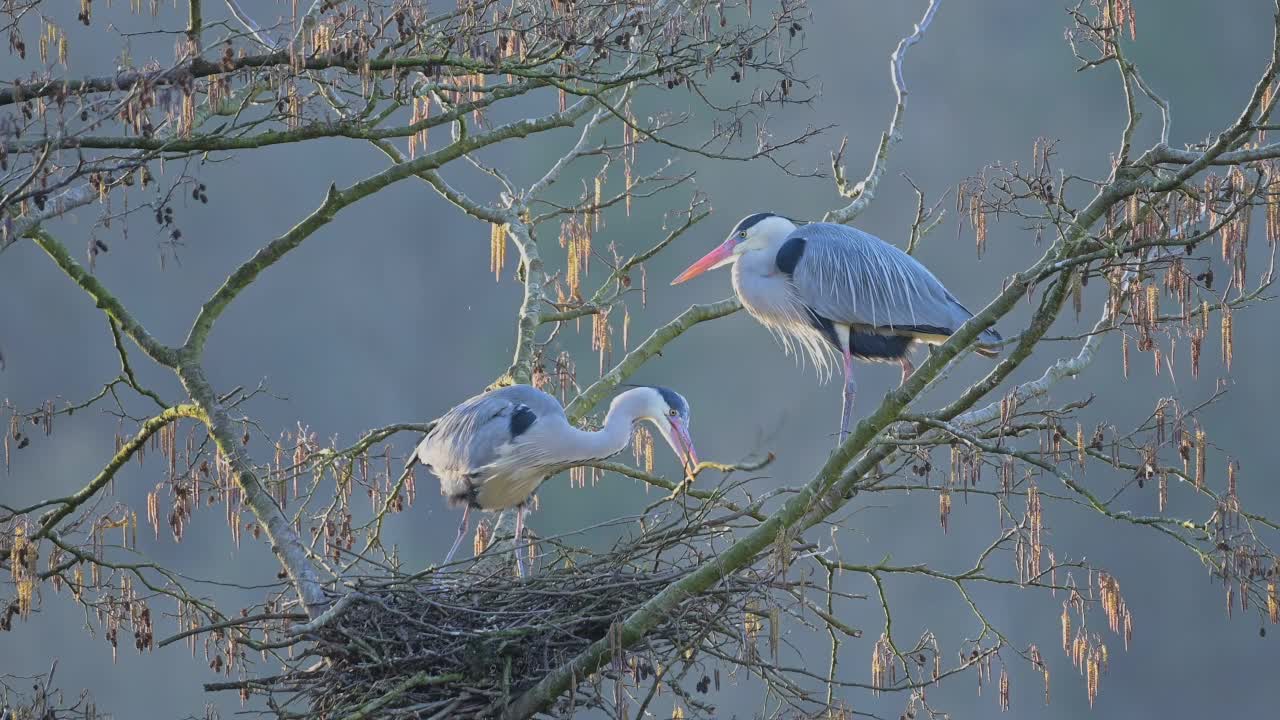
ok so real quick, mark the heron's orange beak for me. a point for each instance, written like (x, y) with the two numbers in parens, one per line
(714, 259)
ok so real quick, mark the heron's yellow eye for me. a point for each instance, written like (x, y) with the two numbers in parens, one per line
(743, 234)
(673, 413)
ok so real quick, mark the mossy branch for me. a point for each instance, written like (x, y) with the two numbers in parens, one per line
(336, 200)
(285, 542)
(201, 68)
(352, 130)
(521, 369)
(103, 299)
(652, 345)
(153, 425)
(799, 506)
(836, 483)
(195, 24)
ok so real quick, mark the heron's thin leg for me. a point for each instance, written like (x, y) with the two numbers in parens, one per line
(515, 543)
(849, 390)
(462, 532)
(907, 369)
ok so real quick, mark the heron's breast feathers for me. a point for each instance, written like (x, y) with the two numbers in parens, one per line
(773, 302)
(508, 491)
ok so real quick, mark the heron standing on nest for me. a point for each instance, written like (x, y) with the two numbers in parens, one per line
(493, 451)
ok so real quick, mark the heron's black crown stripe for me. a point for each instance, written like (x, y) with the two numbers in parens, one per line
(673, 399)
(789, 255)
(747, 222)
(521, 419)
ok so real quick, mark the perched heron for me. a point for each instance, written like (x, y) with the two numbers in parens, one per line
(831, 290)
(493, 451)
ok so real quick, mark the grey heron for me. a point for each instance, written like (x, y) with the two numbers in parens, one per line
(827, 291)
(491, 452)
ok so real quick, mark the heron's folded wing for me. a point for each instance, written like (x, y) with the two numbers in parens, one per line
(851, 277)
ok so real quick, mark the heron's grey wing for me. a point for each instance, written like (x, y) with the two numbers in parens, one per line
(473, 434)
(851, 277)
(541, 403)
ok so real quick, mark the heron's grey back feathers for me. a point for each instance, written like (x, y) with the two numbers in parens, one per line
(494, 450)
(484, 430)
(857, 279)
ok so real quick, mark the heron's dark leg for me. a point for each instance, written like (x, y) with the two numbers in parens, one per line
(849, 390)
(907, 369)
(462, 532)
(515, 543)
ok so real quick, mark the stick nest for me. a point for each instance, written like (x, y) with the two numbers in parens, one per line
(463, 644)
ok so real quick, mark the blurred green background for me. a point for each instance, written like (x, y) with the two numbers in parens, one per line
(390, 314)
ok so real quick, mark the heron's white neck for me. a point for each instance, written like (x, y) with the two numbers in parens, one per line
(615, 436)
(759, 253)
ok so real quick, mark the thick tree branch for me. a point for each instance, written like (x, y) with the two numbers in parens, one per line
(743, 552)
(337, 199)
(195, 24)
(57, 206)
(531, 69)
(70, 503)
(285, 542)
(521, 369)
(1170, 155)
(348, 129)
(652, 345)
(104, 300)
(833, 485)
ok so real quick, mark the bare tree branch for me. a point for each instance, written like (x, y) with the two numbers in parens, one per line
(864, 192)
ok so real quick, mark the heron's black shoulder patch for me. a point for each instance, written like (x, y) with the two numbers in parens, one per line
(789, 255)
(521, 419)
(747, 222)
(674, 400)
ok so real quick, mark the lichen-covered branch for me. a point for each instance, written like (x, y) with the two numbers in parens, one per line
(799, 506)
(71, 503)
(349, 129)
(521, 369)
(337, 199)
(202, 68)
(285, 542)
(195, 24)
(104, 299)
(652, 345)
